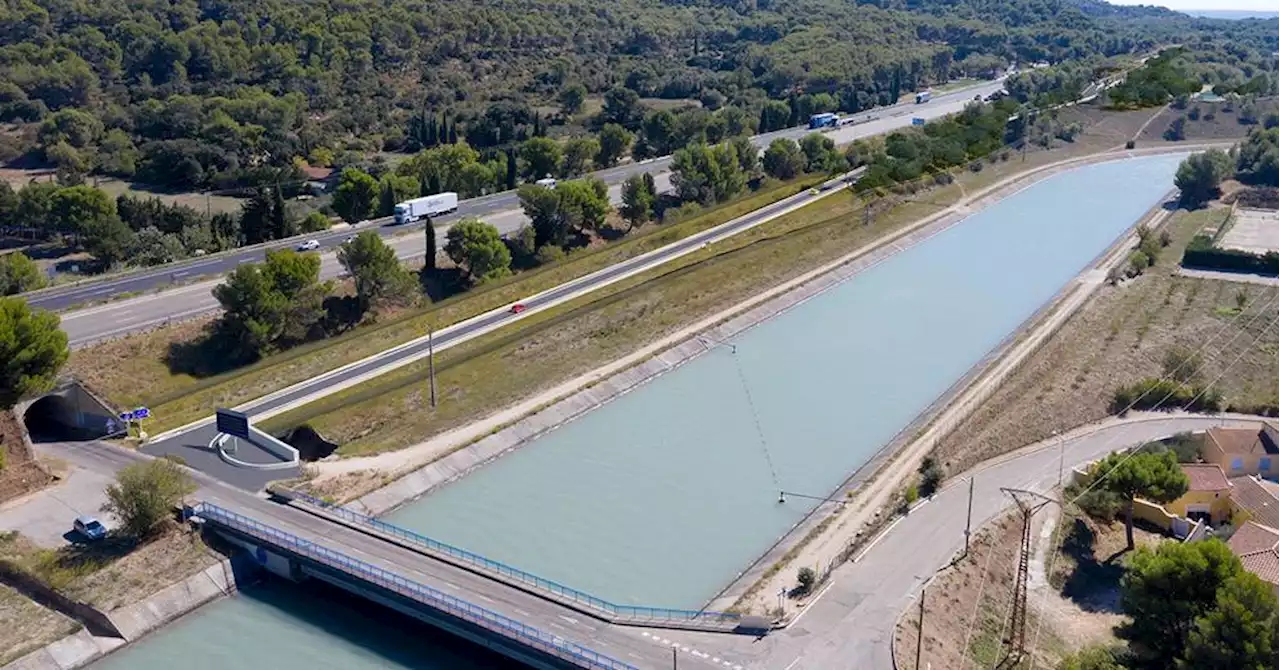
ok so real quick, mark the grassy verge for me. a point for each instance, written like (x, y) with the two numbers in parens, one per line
(483, 375)
(110, 573)
(27, 626)
(177, 399)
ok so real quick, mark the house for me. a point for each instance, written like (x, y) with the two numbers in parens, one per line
(1259, 550)
(1208, 495)
(1243, 451)
(319, 179)
(1254, 500)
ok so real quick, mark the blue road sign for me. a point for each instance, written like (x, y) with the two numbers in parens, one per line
(126, 416)
(141, 413)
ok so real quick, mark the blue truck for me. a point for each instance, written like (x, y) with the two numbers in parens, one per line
(824, 120)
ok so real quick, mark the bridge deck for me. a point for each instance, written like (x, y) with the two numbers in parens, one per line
(443, 580)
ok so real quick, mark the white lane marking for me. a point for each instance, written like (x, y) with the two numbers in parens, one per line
(521, 612)
(876, 541)
(484, 597)
(793, 664)
(569, 619)
(178, 274)
(811, 603)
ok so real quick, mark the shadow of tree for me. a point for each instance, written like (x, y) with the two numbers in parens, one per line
(1094, 585)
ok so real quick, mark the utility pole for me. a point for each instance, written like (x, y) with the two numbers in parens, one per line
(968, 522)
(675, 661)
(920, 632)
(1062, 455)
(1028, 503)
(431, 362)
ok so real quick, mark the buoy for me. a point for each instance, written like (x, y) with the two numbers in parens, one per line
(782, 497)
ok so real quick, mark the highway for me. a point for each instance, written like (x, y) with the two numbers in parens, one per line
(851, 622)
(500, 209)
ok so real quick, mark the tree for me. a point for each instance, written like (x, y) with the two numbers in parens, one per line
(379, 277)
(542, 206)
(578, 154)
(637, 202)
(393, 189)
(1138, 263)
(1199, 175)
(18, 274)
(707, 175)
(1164, 591)
(783, 159)
(571, 98)
(282, 223)
(1239, 632)
(513, 170)
(1092, 658)
(621, 106)
(775, 115)
(820, 153)
(145, 494)
(32, 350)
(583, 203)
(660, 133)
(429, 231)
(806, 578)
(354, 199)
(315, 222)
(748, 154)
(1153, 477)
(255, 217)
(1258, 161)
(1177, 130)
(614, 141)
(541, 156)
(272, 305)
(477, 247)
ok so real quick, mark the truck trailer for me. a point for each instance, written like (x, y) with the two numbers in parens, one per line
(410, 211)
(923, 97)
(824, 120)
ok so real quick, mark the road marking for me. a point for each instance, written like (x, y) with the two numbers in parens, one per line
(793, 664)
(811, 603)
(484, 597)
(877, 540)
(569, 619)
(521, 612)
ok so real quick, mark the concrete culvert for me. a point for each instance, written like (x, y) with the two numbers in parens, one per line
(311, 445)
(69, 413)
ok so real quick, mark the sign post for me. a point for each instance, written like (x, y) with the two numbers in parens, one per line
(233, 423)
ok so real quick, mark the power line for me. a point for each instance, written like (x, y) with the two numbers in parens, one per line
(755, 418)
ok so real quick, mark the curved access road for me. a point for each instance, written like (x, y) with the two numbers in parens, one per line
(850, 623)
(501, 209)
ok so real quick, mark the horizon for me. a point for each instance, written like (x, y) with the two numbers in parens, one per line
(1268, 6)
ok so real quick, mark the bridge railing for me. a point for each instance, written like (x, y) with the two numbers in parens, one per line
(485, 618)
(628, 612)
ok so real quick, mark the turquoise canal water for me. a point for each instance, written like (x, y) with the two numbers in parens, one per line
(663, 495)
(281, 626)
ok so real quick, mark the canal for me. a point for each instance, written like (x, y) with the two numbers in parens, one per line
(663, 495)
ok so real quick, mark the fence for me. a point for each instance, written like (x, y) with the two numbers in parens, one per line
(630, 613)
(487, 619)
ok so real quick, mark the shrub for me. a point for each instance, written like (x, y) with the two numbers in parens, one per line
(145, 494)
(1201, 253)
(1155, 393)
(911, 495)
(976, 166)
(931, 476)
(1129, 144)
(806, 577)
(549, 253)
(1138, 262)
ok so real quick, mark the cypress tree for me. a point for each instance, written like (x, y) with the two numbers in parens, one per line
(430, 232)
(511, 168)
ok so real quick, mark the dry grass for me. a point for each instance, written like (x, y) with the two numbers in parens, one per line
(28, 626)
(1120, 336)
(967, 608)
(113, 572)
(20, 474)
(132, 369)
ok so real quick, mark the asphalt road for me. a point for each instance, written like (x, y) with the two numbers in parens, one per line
(501, 209)
(851, 623)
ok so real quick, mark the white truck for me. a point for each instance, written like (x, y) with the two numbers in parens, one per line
(410, 211)
(923, 97)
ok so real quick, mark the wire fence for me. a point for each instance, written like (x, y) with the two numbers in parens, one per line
(487, 619)
(611, 610)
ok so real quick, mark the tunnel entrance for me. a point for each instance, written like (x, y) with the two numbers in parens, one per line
(68, 414)
(311, 445)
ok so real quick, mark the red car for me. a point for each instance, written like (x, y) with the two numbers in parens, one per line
(517, 308)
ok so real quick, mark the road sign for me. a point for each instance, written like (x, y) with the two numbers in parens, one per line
(141, 413)
(126, 416)
(233, 423)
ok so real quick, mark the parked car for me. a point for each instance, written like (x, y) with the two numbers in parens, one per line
(309, 245)
(89, 527)
(517, 308)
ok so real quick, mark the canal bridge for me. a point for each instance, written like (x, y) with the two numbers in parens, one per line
(535, 621)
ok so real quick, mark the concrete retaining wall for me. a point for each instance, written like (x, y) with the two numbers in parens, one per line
(135, 621)
(93, 619)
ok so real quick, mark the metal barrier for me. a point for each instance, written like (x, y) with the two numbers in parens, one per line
(628, 612)
(487, 619)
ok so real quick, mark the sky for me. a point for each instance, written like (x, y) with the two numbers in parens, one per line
(1252, 5)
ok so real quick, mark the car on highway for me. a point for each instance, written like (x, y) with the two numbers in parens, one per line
(348, 238)
(89, 527)
(517, 308)
(309, 245)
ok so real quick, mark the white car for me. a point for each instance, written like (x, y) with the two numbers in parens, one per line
(547, 183)
(309, 245)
